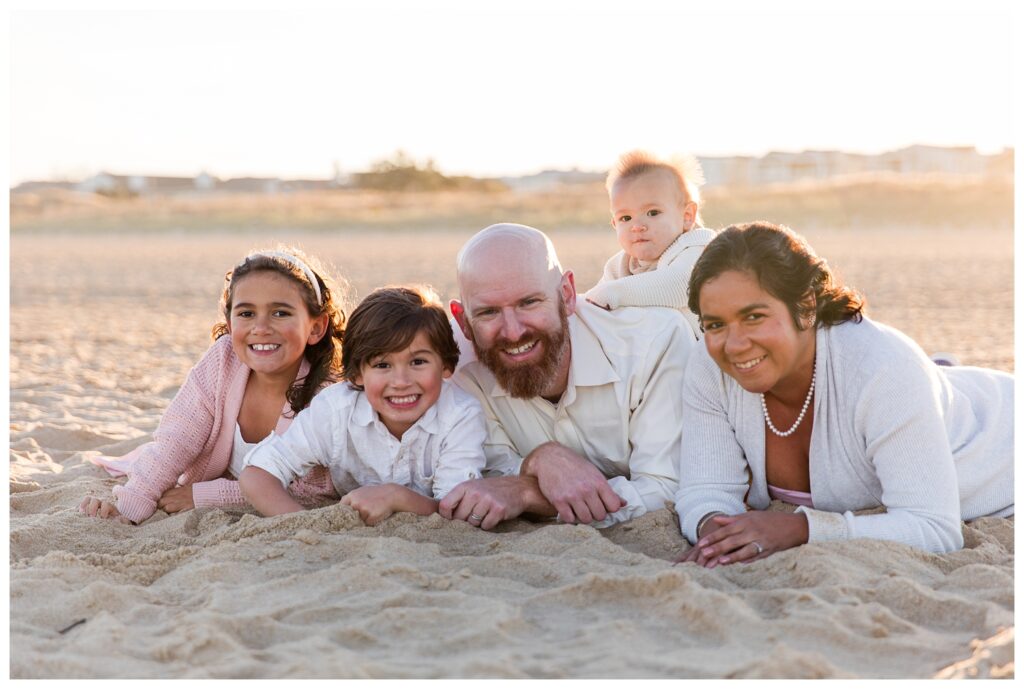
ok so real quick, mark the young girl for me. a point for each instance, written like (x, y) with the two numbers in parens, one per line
(279, 344)
(399, 435)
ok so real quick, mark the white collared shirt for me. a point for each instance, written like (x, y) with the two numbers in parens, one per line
(621, 409)
(341, 431)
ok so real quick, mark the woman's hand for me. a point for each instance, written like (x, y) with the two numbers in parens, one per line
(177, 499)
(746, 537)
(104, 509)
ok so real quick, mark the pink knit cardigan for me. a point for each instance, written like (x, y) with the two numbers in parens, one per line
(192, 444)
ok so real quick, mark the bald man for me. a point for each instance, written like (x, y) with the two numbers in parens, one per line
(583, 405)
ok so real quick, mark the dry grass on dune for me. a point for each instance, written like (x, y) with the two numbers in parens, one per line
(933, 201)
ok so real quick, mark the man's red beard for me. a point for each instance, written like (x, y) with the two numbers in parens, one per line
(528, 380)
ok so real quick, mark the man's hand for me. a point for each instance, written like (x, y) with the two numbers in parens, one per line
(104, 509)
(485, 502)
(746, 537)
(574, 487)
(177, 499)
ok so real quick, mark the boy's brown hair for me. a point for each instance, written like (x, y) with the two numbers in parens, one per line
(685, 170)
(388, 319)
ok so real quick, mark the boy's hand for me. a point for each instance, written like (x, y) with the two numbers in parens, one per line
(373, 503)
(177, 499)
(104, 509)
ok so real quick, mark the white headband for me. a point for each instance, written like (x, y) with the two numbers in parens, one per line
(295, 261)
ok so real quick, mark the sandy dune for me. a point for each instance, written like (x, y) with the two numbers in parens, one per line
(103, 330)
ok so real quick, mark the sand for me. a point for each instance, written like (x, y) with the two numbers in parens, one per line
(103, 330)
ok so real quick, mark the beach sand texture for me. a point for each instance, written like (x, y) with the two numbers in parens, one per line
(104, 329)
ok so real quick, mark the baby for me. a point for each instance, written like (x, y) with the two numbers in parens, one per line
(655, 214)
(398, 435)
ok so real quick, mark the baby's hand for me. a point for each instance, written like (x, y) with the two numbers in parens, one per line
(104, 509)
(373, 503)
(177, 499)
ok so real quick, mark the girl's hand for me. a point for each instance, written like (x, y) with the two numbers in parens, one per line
(373, 503)
(177, 499)
(104, 509)
(746, 537)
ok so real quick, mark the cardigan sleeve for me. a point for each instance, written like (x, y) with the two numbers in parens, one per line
(667, 285)
(220, 492)
(183, 432)
(614, 269)
(899, 418)
(713, 473)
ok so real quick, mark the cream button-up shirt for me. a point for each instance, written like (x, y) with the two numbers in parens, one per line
(621, 409)
(342, 431)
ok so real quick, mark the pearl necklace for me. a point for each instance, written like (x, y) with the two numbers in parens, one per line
(803, 410)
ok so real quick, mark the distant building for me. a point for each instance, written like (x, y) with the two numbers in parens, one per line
(259, 185)
(551, 179)
(205, 182)
(132, 185)
(961, 160)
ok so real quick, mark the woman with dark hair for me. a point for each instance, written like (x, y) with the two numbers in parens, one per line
(798, 396)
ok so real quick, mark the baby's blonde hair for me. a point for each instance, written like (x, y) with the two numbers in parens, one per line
(685, 170)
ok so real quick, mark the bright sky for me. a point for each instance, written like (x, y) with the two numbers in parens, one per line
(501, 89)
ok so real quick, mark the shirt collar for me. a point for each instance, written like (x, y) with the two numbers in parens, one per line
(365, 415)
(588, 365)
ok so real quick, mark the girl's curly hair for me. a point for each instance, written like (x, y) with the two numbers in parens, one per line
(324, 357)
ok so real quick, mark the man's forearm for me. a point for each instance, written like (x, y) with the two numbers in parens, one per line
(534, 501)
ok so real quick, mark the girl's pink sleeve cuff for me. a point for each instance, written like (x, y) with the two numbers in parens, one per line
(217, 493)
(134, 506)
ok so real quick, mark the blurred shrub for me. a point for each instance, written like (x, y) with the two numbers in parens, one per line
(402, 173)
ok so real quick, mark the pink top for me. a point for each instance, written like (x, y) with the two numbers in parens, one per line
(192, 444)
(793, 497)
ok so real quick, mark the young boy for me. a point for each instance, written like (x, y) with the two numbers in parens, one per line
(398, 435)
(655, 214)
